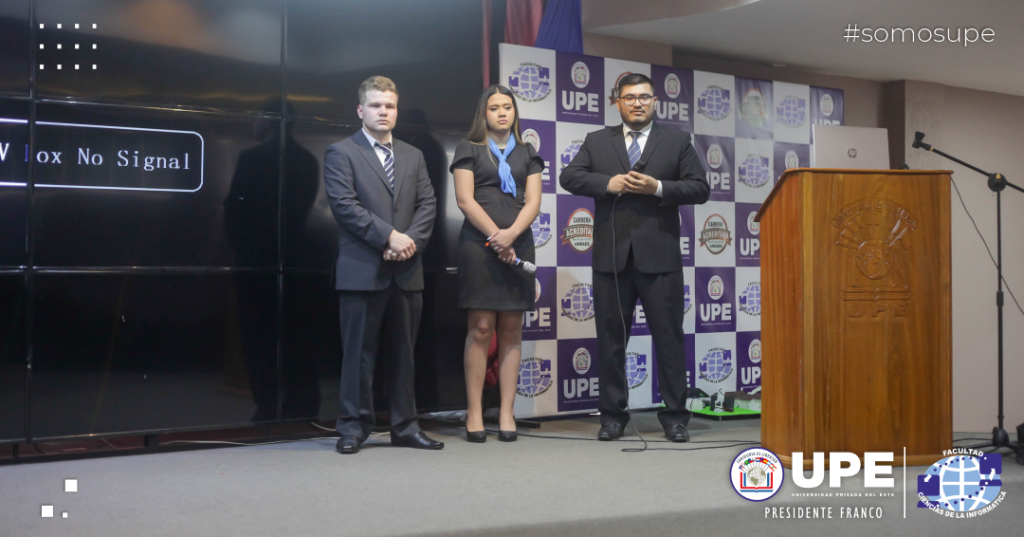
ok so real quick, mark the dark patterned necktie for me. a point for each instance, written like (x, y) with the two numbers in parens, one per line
(634, 148)
(389, 162)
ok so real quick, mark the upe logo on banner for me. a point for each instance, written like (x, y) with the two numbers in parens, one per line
(579, 230)
(826, 105)
(965, 484)
(750, 299)
(578, 303)
(530, 82)
(636, 369)
(530, 136)
(714, 156)
(753, 109)
(754, 351)
(687, 303)
(672, 86)
(541, 229)
(716, 365)
(570, 153)
(752, 226)
(534, 377)
(792, 160)
(791, 112)
(757, 474)
(714, 103)
(715, 236)
(754, 171)
(580, 75)
(716, 287)
(581, 361)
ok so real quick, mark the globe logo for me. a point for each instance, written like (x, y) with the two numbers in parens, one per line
(672, 86)
(754, 171)
(636, 369)
(754, 351)
(716, 287)
(750, 299)
(534, 377)
(753, 227)
(578, 303)
(714, 156)
(753, 109)
(826, 105)
(874, 259)
(715, 236)
(714, 103)
(962, 483)
(570, 152)
(530, 136)
(579, 230)
(530, 82)
(541, 227)
(792, 111)
(580, 75)
(716, 365)
(757, 474)
(581, 361)
(792, 160)
(687, 303)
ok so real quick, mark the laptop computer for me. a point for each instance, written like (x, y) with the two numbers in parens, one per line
(853, 148)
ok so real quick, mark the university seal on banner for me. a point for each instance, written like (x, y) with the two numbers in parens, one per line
(578, 303)
(877, 238)
(715, 236)
(672, 86)
(613, 93)
(530, 82)
(579, 230)
(580, 75)
(531, 137)
(581, 361)
(534, 377)
(757, 474)
(753, 109)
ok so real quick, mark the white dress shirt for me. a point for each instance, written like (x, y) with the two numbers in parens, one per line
(379, 151)
(641, 141)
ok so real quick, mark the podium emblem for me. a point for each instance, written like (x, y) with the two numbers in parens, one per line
(876, 236)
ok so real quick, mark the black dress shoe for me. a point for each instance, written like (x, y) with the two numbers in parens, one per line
(476, 437)
(507, 436)
(677, 433)
(610, 431)
(417, 441)
(348, 445)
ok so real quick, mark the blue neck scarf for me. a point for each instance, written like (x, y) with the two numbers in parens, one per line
(508, 185)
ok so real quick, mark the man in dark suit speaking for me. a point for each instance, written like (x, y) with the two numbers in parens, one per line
(638, 174)
(380, 194)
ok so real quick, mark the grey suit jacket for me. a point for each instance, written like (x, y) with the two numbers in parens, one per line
(367, 209)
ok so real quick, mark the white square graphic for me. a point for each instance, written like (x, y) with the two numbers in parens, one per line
(613, 70)
(569, 137)
(64, 514)
(754, 170)
(748, 299)
(717, 93)
(537, 391)
(715, 362)
(524, 70)
(690, 311)
(791, 125)
(715, 226)
(545, 238)
(575, 316)
(47, 511)
(70, 485)
(640, 371)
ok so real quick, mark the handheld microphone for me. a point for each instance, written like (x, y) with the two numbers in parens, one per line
(918, 144)
(527, 267)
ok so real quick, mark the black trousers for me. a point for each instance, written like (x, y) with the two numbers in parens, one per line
(663, 302)
(378, 325)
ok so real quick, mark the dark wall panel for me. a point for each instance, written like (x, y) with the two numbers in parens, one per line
(13, 176)
(202, 53)
(12, 357)
(14, 46)
(116, 353)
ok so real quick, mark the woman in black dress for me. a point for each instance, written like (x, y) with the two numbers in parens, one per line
(498, 187)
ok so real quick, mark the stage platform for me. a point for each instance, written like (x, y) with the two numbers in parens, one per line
(571, 485)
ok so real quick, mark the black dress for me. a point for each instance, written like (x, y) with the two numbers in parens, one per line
(485, 283)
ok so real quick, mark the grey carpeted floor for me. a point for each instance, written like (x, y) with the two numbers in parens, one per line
(536, 486)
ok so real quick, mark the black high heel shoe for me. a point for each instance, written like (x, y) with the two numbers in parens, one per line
(507, 436)
(476, 437)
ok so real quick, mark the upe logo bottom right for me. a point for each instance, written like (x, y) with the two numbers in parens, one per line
(965, 484)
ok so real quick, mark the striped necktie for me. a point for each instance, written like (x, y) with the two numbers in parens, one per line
(389, 162)
(634, 148)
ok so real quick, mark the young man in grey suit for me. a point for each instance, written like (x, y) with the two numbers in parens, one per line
(645, 260)
(381, 196)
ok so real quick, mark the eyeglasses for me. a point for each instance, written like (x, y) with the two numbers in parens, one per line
(629, 100)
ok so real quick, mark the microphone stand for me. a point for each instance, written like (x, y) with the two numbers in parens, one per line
(996, 183)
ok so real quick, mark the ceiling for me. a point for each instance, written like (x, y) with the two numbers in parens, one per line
(809, 35)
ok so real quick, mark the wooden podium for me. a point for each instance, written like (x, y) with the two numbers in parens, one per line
(856, 325)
